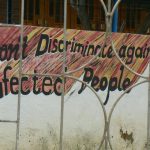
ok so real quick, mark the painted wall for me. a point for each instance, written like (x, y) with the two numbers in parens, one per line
(84, 119)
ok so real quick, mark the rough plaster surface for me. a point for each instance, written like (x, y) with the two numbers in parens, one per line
(83, 121)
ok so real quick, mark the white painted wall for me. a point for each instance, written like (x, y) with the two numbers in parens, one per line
(83, 122)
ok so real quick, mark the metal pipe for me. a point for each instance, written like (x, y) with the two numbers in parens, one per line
(115, 7)
(20, 75)
(41, 75)
(104, 6)
(63, 79)
(109, 18)
(8, 121)
(108, 31)
(148, 116)
(109, 6)
(10, 25)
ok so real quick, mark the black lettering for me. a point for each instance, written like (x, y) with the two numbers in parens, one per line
(95, 83)
(14, 82)
(39, 51)
(103, 55)
(112, 87)
(148, 51)
(23, 80)
(5, 79)
(126, 84)
(138, 52)
(24, 54)
(36, 90)
(47, 83)
(103, 84)
(122, 51)
(97, 49)
(1, 90)
(90, 50)
(110, 52)
(61, 44)
(57, 86)
(79, 48)
(88, 75)
(13, 52)
(55, 42)
(3, 52)
(120, 79)
(67, 44)
(72, 45)
(130, 54)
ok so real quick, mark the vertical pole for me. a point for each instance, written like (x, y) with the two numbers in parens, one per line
(109, 6)
(63, 78)
(108, 20)
(20, 75)
(148, 116)
(106, 137)
(115, 20)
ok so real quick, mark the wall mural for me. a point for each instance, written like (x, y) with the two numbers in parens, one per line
(43, 54)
